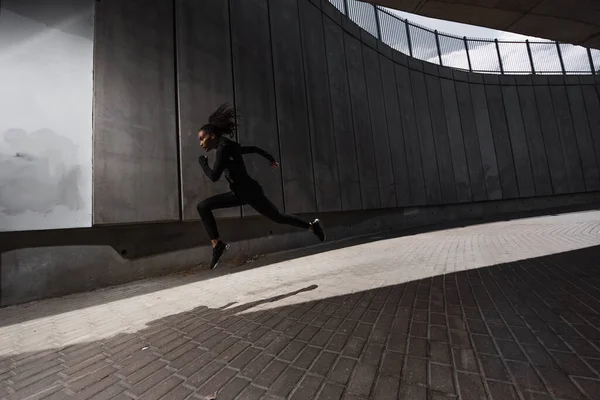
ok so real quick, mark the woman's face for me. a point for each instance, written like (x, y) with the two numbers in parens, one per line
(207, 141)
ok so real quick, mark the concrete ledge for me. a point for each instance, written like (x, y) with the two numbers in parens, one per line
(38, 265)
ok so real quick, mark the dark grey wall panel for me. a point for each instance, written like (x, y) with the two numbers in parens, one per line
(379, 128)
(363, 135)
(411, 137)
(204, 84)
(324, 154)
(353, 129)
(342, 117)
(396, 135)
(455, 138)
(472, 151)
(554, 151)
(583, 138)
(592, 106)
(292, 111)
(135, 176)
(440, 134)
(564, 122)
(535, 139)
(518, 141)
(255, 92)
(504, 156)
(427, 145)
(486, 143)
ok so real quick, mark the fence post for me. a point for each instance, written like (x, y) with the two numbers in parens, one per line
(410, 49)
(562, 62)
(499, 57)
(592, 68)
(468, 56)
(437, 43)
(530, 56)
(377, 23)
(346, 11)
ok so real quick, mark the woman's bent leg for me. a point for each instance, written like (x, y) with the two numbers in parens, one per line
(265, 207)
(205, 208)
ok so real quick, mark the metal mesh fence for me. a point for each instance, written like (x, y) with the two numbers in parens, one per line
(339, 4)
(515, 58)
(478, 55)
(575, 59)
(364, 16)
(454, 52)
(393, 32)
(596, 60)
(483, 55)
(423, 44)
(546, 59)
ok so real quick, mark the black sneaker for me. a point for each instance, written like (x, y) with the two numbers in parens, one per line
(318, 230)
(218, 251)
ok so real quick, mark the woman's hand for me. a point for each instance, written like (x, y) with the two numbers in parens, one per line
(274, 165)
(202, 160)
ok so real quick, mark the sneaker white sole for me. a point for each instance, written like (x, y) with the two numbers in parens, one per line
(318, 221)
(222, 254)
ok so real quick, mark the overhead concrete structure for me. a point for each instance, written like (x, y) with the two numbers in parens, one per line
(562, 20)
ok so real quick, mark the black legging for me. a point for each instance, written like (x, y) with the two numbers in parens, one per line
(258, 201)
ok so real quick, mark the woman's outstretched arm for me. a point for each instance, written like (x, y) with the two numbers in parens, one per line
(258, 150)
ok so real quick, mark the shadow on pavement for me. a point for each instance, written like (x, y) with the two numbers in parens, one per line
(528, 329)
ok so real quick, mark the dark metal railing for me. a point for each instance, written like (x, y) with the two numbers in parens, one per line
(470, 54)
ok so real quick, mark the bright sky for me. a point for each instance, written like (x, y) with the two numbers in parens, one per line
(459, 29)
(514, 56)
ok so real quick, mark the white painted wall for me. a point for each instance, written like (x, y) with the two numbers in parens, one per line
(46, 69)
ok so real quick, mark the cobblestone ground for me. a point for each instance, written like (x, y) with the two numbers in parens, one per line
(506, 310)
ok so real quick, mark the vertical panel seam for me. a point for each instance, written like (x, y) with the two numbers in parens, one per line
(237, 133)
(177, 112)
(526, 139)
(385, 111)
(585, 107)
(437, 164)
(448, 138)
(337, 164)
(410, 83)
(479, 138)
(403, 135)
(576, 135)
(352, 115)
(362, 56)
(476, 137)
(460, 120)
(275, 98)
(537, 110)
(310, 144)
(566, 92)
(512, 153)
(94, 103)
(487, 104)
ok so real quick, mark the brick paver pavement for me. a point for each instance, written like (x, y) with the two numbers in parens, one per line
(507, 310)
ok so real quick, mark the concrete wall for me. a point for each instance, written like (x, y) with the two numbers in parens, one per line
(368, 139)
(50, 263)
(46, 55)
(356, 125)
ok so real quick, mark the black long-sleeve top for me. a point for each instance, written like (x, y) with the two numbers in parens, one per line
(229, 160)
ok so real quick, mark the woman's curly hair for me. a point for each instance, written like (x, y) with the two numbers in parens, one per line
(222, 121)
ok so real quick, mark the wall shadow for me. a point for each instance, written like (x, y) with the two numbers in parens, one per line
(243, 262)
(529, 328)
(134, 242)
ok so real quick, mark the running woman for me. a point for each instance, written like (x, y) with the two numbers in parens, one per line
(244, 189)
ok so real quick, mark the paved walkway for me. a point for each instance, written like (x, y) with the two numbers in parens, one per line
(507, 310)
